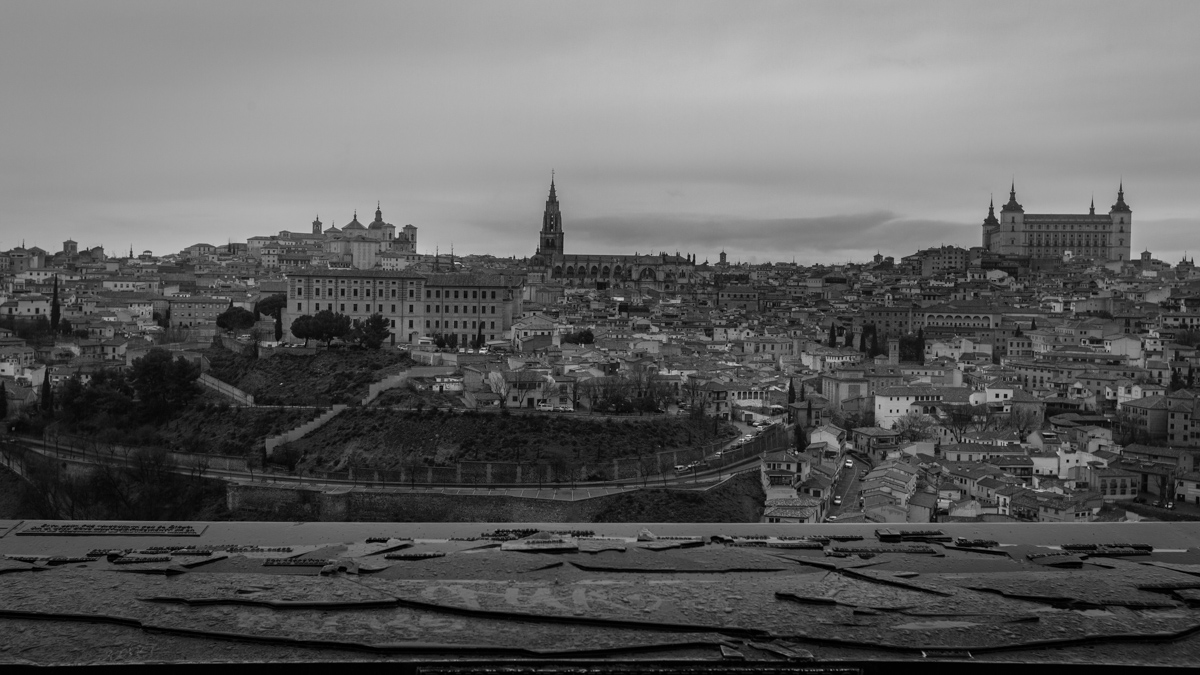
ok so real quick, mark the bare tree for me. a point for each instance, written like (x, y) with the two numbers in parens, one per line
(963, 418)
(499, 385)
(1023, 419)
(915, 426)
(692, 390)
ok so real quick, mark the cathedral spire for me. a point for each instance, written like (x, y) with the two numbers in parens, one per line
(1092, 208)
(1120, 206)
(1012, 204)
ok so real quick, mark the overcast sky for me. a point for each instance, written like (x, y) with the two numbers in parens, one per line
(820, 131)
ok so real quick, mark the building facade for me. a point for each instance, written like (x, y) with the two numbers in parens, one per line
(1105, 237)
(415, 305)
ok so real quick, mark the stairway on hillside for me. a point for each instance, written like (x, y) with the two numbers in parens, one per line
(304, 429)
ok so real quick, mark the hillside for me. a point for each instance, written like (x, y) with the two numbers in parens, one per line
(212, 426)
(320, 379)
(383, 439)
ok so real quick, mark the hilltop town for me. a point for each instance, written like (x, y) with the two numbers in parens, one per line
(1045, 375)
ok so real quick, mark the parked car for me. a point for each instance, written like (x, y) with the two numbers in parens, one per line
(545, 407)
(680, 468)
(849, 464)
(837, 500)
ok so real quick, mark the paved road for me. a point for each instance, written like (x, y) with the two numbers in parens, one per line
(698, 480)
(847, 487)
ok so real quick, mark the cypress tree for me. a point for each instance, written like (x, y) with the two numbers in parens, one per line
(849, 338)
(862, 340)
(47, 397)
(3, 403)
(278, 325)
(832, 334)
(791, 391)
(1176, 382)
(55, 309)
(921, 346)
(1033, 325)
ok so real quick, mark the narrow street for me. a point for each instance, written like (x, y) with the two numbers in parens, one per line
(847, 488)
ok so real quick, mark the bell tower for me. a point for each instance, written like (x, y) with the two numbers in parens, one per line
(991, 226)
(550, 240)
(1120, 237)
(1010, 238)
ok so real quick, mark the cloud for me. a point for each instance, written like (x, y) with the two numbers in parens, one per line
(165, 123)
(805, 239)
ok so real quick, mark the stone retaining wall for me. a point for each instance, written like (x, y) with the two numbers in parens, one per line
(225, 389)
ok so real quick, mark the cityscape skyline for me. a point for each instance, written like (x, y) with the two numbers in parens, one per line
(691, 127)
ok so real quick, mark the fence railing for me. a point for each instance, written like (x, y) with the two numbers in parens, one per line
(649, 468)
(652, 466)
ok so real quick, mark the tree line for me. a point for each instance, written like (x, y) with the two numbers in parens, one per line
(149, 392)
(327, 326)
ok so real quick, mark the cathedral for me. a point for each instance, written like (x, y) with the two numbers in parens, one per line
(661, 272)
(1041, 235)
(404, 241)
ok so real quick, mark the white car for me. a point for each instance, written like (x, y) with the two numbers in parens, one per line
(545, 407)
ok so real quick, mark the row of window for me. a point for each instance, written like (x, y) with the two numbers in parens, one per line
(429, 293)
(367, 308)
(299, 292)
(466, 309)
(474, 294)
(1117, 487)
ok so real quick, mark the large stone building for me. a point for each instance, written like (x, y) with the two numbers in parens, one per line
(663, 272)
(352, 245)
(416, 305)
(1105, 237)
